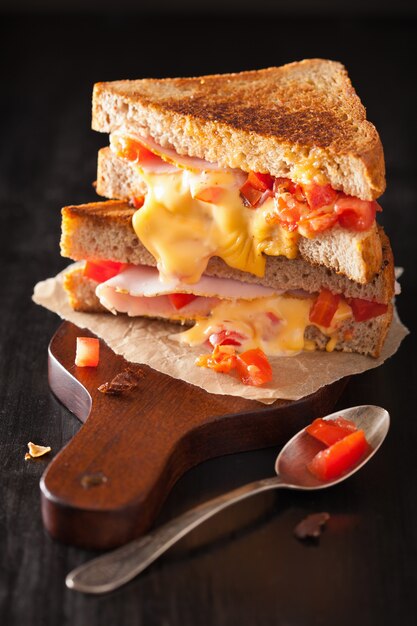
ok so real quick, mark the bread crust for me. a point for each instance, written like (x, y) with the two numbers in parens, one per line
(303, 118)
(81, 292)
(362, 337)
(103, 230)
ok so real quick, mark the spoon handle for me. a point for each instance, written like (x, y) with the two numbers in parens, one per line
(114, 569)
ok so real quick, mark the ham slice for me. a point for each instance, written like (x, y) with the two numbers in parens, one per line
(159, 306)
(139, 291)
(150, 164)
(170, 156)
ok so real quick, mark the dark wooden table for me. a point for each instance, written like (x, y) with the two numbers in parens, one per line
(244, 566)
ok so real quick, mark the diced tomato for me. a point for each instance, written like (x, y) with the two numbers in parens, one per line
(265, 195)
(289, 211)
(256, 189)
(87, 352)
(275, 218)
(356, 214)
(344, 423)
(133, 150)
(340, 457)
(319, 195)
(222, 359)
(226, 338)
(101, 271)
(324, 308)
(317, 219)
(180, 300)
(316, 223)
(209, 194)
(253, 367)
(250, 195)
(365, 309)
(330, 431)
(284, 185)
(315, 208)
(262, 182)
(291, 205)
(137, 201)
(348, 219)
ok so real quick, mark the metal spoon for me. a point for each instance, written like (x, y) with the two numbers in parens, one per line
(114, 569)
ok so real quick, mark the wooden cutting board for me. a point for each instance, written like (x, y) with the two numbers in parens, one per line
(108, 484)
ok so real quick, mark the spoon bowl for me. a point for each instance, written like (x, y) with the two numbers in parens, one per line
(292, 461)
(116, 568)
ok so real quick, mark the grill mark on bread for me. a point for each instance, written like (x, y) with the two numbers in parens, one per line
(305, 127)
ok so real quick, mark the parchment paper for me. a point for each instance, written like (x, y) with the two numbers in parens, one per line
(147, 341)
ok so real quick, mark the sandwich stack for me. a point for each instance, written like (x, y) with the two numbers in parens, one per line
(242, 206)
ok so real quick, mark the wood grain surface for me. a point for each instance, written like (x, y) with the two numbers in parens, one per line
(243, 567)
(108, 484)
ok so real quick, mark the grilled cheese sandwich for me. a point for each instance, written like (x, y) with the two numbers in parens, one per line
(266, 193)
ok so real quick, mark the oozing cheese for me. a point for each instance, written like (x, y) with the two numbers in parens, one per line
(276, 324)
(183, 232)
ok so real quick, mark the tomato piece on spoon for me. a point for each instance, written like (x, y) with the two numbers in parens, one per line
(340, 457)
(330, 431)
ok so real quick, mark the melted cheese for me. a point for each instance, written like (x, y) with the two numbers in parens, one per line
(308, 171)
(183, 232)
(279, 334)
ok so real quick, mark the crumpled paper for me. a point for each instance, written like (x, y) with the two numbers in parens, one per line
(146, 341)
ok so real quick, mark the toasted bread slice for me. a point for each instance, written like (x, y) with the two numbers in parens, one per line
(358, 255)
(362, 337)
(303, 121)
(103, 230)
(117, 179)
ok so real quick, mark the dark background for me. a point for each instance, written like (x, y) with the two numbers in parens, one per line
(279, 8)
(244, 566)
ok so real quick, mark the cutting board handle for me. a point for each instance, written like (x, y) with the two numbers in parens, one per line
(109, 482)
